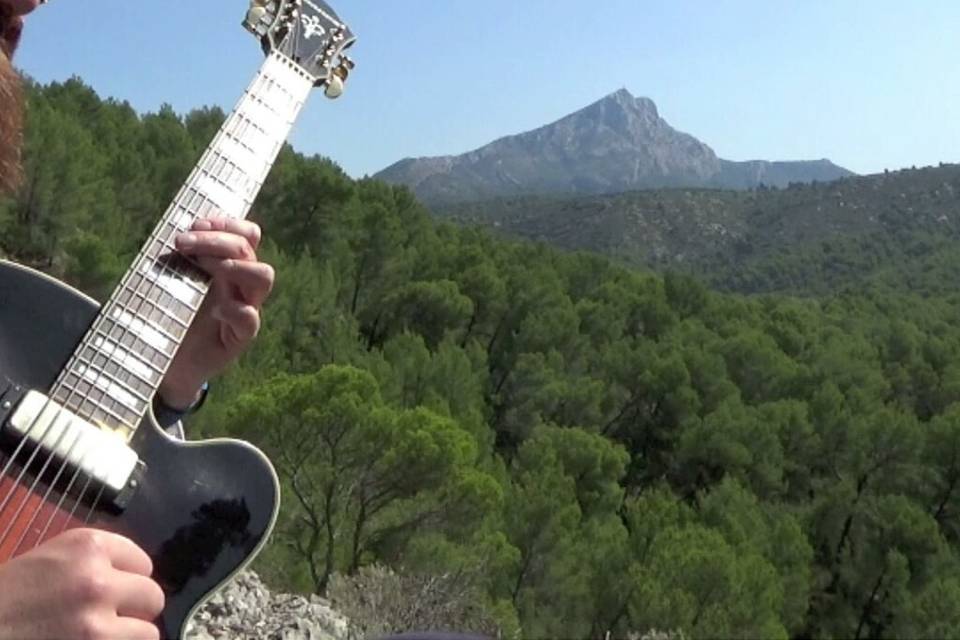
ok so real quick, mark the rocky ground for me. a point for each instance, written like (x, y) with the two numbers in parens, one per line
(247, 609)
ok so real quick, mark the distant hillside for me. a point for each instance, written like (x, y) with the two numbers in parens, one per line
(619, 143)
(803, 239)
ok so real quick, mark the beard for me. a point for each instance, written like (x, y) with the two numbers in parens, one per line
(11, 126)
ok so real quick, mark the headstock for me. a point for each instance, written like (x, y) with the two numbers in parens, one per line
(307, 32)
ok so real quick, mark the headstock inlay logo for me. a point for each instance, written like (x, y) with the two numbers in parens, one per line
(312, 26)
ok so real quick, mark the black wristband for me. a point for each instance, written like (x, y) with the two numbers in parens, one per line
(167, 416)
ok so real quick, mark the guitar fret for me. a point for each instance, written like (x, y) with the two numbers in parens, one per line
(183, 220)
(148, 371)
(160, 251)
(256, 167)
(134, 342)
(145, 370)
(196, 203)
(257, 136)
(246, 133)
(232, 204)
(214, 165)
(151, 333)
(259, 139)
(93, 404)
(143, 287)
(276, 99)
(150, 310)
(266, 84)
(158, 276)
(241, 183)
(92, 358)
(238, 126)
(165, 289)
(206, 208)
(243, 156)
(193, 200)
(280, 102)
(262, 114)
(222, 168)
(111, 386)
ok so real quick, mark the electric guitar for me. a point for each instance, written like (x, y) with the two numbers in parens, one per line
(79, 445)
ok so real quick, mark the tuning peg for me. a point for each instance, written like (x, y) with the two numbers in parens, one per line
(337, 78)
(333, 88)
(256, 12)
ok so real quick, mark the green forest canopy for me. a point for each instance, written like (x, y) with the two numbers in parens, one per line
(897, 228)
(593, 448)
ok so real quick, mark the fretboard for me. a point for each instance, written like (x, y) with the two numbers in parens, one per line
(114, 373)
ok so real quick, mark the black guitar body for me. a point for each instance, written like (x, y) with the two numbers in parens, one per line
(202, 510)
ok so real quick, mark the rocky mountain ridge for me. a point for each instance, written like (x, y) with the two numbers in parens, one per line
(806, 238)
(619, 143)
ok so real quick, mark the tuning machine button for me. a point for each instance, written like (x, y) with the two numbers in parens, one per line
(337, 77)
(333, 88)
(255, 14)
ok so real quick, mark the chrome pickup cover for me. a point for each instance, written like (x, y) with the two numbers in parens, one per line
(97, 452)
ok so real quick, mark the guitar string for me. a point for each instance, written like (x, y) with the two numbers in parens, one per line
(152, 240)
(43, 502)
(190, 205)
(59, 507)
(215, 149)
(66, 457)
(214, 154)
(74, 393)
(20, 447)
(78, 500)
(242, 120)
(18, 484)
(66, 492)
(192, 201)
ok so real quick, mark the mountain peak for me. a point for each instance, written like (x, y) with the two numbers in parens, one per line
(627, 101)
(618, 143)
(623, 100)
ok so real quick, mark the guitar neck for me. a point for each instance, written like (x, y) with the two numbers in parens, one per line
(115, 371)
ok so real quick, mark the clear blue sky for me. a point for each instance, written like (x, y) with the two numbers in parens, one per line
(870, 84)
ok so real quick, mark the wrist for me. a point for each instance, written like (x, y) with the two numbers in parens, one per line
(168, 415)
(181, 395)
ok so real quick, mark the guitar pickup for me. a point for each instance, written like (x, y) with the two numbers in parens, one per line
(104, 456)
